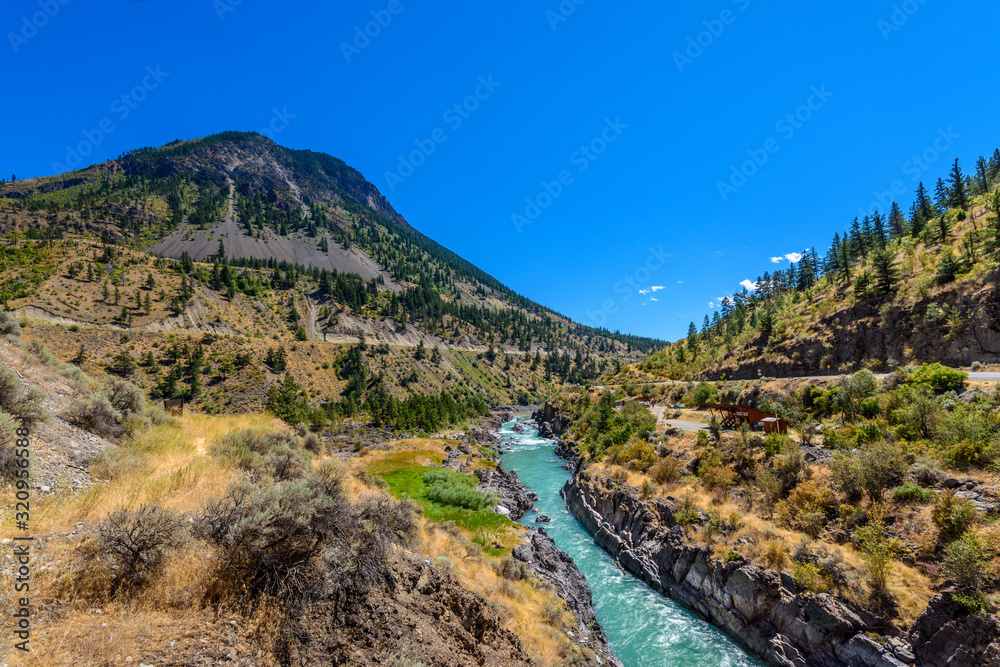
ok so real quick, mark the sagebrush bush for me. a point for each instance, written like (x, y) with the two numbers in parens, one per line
(296, 538)
(9, 328)
(24, 405)
(255, 451)
(136, 543)
(8, 436)
(95, 413)
(37, 348)
(511, 569)
(125, 397)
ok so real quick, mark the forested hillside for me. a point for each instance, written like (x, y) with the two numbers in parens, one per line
(894, 288)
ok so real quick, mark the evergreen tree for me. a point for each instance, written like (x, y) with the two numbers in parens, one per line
(942, 194)
(886, 274)
(845, 264)
(982, 179)
(897, 221)
(878, 229)
(943, 228)
(858, 248)
(958, 197)
(923, 202)
(692, 337)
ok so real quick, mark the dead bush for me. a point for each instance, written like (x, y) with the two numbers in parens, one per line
(667, 471)
(135, 544)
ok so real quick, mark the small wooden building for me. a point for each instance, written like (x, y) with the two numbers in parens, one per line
(735, 415)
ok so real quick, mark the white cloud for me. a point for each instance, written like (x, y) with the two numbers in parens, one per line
(751, 286)
(652, 299)
(680, 282)
(792, 257)
(711, 304)
(644, 291)
(656, 288)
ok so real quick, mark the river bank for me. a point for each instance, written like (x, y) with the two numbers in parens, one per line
(642, 627)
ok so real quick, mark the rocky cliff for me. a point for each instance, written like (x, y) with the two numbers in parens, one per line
(758, 608)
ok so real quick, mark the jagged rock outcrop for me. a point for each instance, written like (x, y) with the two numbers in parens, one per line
(507, 487)
(550, 421)
(946, 634)
(757, 608)
(552, 565)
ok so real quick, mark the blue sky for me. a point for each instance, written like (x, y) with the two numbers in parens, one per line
(585, 158)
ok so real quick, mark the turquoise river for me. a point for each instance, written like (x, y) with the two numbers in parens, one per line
(643, 627)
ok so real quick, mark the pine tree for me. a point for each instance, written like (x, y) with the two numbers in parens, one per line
(692, 337)
(878, 229)
(845, 264)
(117, 295)
(923, 202)
(982, 180)
(886, 274)
(943, 194)
(958, 197)
(943, 228)
(897, 221)
(857, 242)
(148, 304)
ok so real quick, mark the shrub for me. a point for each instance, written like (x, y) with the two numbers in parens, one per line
(666, 471)
(124, 396)
(257, 451)
(135, 543)
(8, 461)
(312, 443)
(719, 480)
(709, 459)
(912, 494)
(966, 562)
(774, 555)
(9, 328)
(927, 471)
(882, 465)
(846, 471)
(37, 348)
(939, 378)
(95, 414)
(953, 515)
(687, 514)
(809, 577)
(641, 451)
(647, 489)
(23, 405)
(513, 570)
(270, 537)
(870, 408)
(877, 551)
(450, 488)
